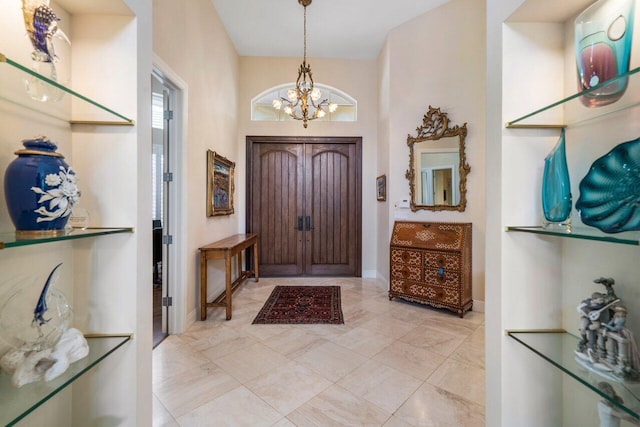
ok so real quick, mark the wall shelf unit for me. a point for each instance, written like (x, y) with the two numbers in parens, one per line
(17, 74)
(13, 239)
(17, 403)
(557, 347)
(545, 273)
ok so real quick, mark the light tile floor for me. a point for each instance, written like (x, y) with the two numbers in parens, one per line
(391, 364)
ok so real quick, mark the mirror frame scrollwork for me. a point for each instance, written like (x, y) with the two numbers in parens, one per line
(435, 125)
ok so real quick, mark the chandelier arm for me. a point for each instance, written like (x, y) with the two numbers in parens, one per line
(321, 103)
(292, 104)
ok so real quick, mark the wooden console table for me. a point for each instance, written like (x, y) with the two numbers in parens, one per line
(226, 249)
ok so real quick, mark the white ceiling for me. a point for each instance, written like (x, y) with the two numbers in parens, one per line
(354, 29)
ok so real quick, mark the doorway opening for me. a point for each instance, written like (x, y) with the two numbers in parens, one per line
(304, 201)
(162, 107)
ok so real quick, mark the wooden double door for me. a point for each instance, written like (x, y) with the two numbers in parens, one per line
(304, 201)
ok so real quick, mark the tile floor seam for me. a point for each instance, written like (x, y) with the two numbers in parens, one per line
(362, 294)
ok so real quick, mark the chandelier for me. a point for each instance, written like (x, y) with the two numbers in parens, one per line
(305, 96)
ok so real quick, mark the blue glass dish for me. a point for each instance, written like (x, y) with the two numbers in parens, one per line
(610, 192)
(556, 188)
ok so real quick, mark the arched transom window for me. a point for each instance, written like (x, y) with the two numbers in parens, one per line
(262, 107)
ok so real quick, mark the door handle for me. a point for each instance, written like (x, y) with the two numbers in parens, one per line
(309, 227)
(299, 223)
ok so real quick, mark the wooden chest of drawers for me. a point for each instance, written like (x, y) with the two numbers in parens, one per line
(431, 264)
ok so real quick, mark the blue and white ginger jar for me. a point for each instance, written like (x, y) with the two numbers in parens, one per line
(40, 187)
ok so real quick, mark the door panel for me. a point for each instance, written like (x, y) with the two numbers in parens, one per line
(304, 203)
(277, 173)
(331, 204)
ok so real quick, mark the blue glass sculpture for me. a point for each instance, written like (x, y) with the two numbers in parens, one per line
(28, 328)
(556, 188)
(610, 192)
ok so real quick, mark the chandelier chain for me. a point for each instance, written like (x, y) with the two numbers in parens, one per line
(304, 95)
(305, 34)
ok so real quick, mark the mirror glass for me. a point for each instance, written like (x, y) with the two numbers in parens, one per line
(437, 164)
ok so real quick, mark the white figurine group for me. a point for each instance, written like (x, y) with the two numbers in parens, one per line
(607, 345)
(28, 366)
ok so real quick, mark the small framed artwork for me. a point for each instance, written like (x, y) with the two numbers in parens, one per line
(219, 184)
(381, 188)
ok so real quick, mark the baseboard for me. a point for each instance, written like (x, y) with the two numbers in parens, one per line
(478, 306)
(191, 319)
(383, 279)
(369, 274)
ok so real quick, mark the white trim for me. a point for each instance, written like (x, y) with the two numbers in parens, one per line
(426, 178)
(190, 319)
(320, 86)
(369, 274)
(177, 317)
(478, 306)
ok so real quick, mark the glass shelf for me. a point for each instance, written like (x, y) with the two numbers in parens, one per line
(586, 233)
(15, 92)
(557, 347)
(17, 403)
(13, 239)
(572, 110)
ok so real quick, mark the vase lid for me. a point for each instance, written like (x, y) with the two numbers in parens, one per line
(40, 145)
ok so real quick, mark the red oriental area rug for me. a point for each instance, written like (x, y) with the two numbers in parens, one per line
(302, 304)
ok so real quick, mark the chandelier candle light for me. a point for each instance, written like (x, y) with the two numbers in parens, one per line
(304, 96)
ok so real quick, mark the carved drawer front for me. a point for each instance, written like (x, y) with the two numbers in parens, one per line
(397, 285)
(406, 256)
(428, 235)
(404, 271)
(442, 277)
(434, 293)
(446, 260)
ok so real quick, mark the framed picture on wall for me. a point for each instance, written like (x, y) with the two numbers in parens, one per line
(381, 188)
(219, 184)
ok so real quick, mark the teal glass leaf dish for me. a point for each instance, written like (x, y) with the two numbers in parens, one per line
(610, 192)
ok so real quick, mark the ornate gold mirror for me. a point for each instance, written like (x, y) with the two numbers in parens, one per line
(438, 166)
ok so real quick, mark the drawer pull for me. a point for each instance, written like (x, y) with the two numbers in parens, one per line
(441, 273)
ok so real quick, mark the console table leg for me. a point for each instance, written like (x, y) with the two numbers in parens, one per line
(227, 265)
(255, 261)
(203, 286)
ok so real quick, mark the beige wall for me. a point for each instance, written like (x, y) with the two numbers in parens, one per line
(415, 69)
(358, 78)
(384, 118)
(190, 38)
(432, 61)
